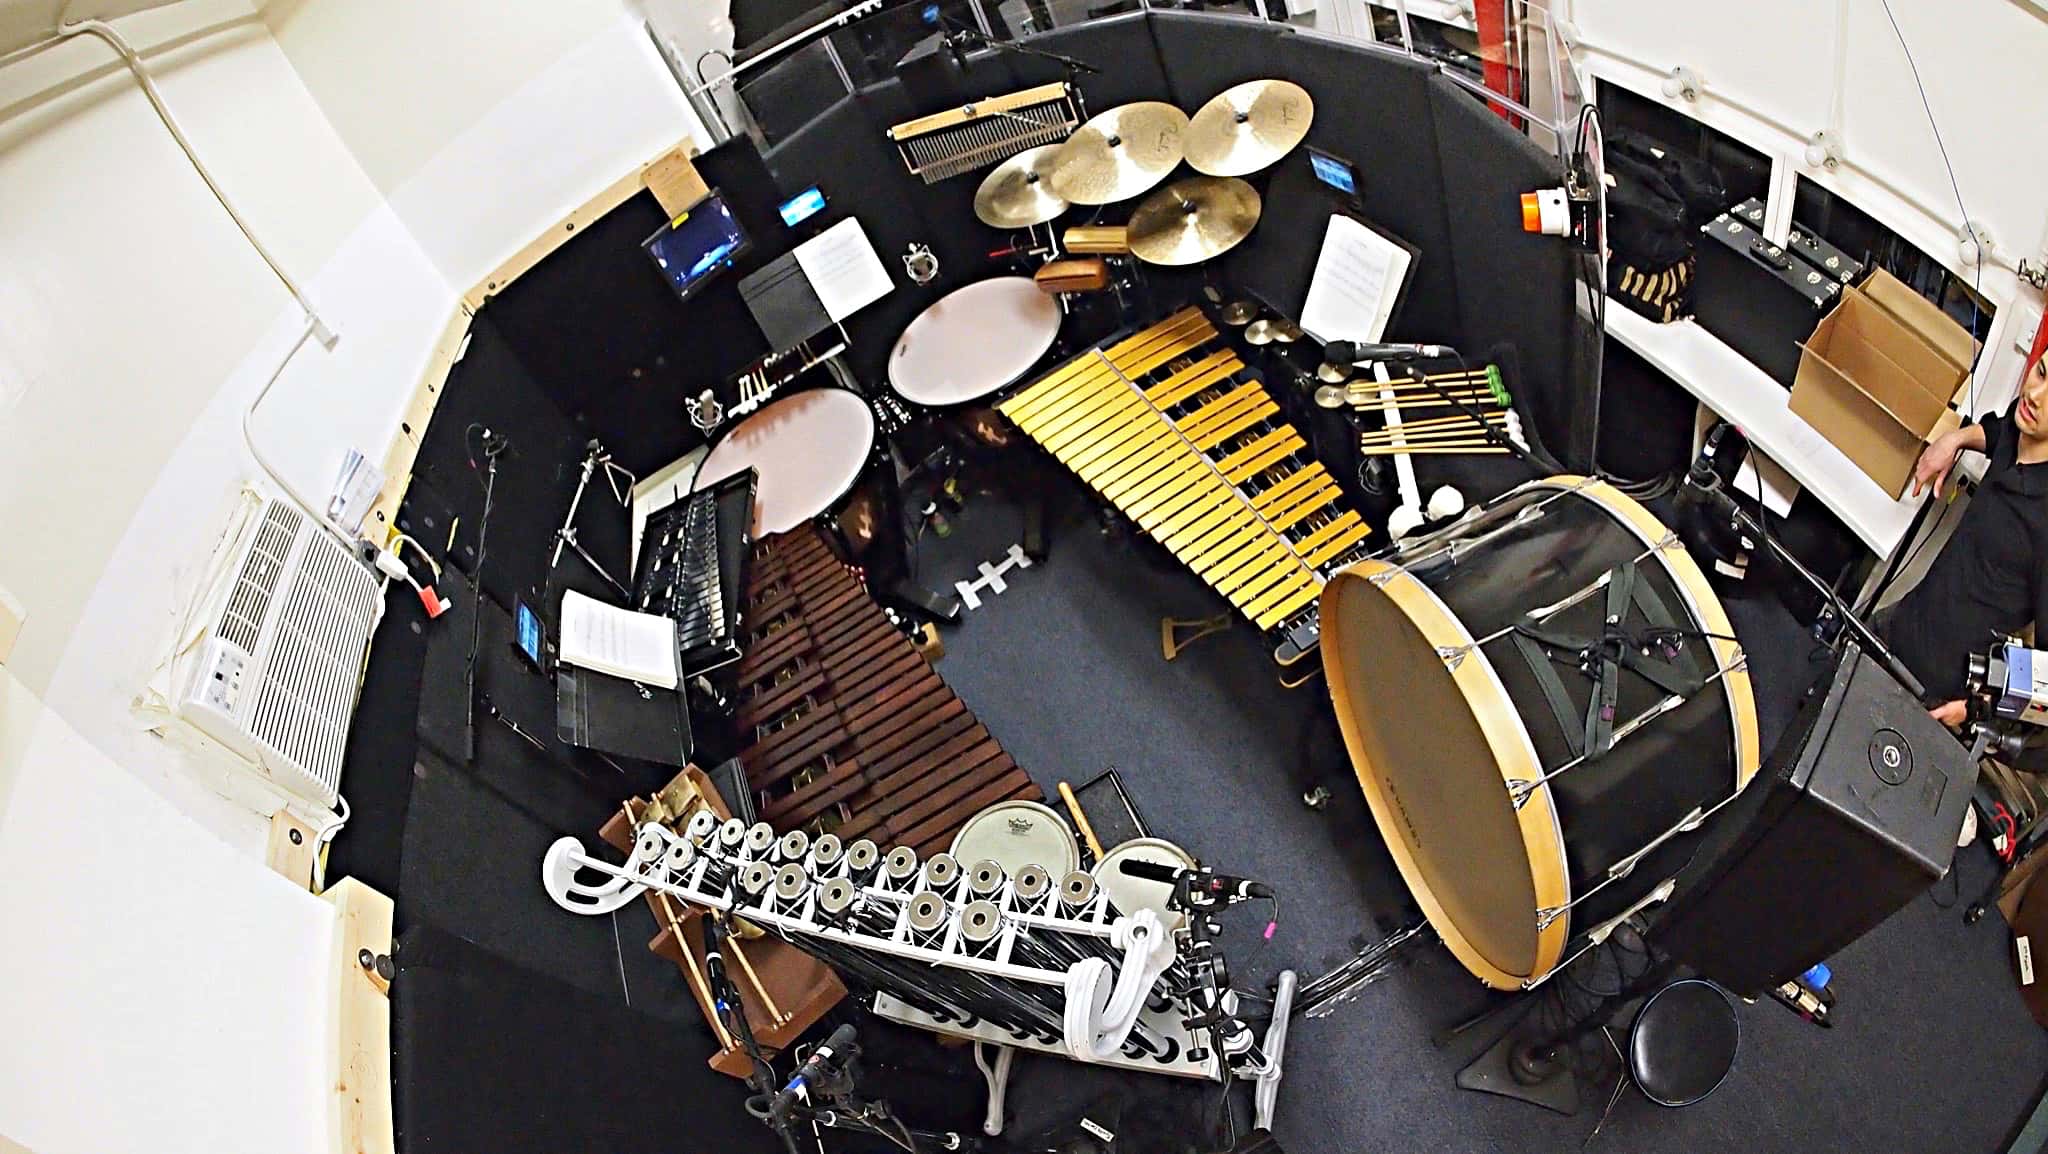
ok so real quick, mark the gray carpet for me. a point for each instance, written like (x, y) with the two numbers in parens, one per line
(1932, 1051)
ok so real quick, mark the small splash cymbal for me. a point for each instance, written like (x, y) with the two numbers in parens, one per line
(1260, 332)
(1119, 153)
(1331, 374)
(1192, 220)
(1286, 331)
(1018, 192)
(1332, 396)
(1248, 127)
(1239, 312)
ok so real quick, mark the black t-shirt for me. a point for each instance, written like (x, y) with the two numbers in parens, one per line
(1988, 580)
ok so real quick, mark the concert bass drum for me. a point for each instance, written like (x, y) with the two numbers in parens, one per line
(1544, 704)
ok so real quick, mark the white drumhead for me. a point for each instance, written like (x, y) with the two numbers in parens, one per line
(1015, 834)
(1130, 894)
(809, 449)
(973, 341)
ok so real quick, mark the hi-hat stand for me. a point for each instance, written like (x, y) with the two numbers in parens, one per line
(595, 456)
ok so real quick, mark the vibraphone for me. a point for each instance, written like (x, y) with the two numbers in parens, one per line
(1172, 428)
(853, 732)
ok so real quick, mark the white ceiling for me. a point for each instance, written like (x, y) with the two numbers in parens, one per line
(23, 22)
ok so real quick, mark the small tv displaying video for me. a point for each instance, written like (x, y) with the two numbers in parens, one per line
(694, 247)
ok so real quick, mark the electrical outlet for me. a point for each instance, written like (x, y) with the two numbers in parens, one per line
(2024, 325)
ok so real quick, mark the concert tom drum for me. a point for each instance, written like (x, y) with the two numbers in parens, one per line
(1015, 834)
(1130, 894)
(809, 448)
(1544, 704)
(973, 341)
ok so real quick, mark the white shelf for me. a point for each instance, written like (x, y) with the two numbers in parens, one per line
(1733, 386)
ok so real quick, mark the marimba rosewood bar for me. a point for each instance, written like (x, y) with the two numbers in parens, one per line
(852, 731)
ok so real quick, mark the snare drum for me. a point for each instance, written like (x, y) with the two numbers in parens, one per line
(973, 341)
(1522, 815)
(809, 448)
(1129, 894)
(1015, 834)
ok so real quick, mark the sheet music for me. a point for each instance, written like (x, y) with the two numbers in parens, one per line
(1356, 284)
(636, 646)
(843, 269)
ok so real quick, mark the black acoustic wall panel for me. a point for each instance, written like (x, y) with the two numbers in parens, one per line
(490, 387)
(492, 1056)
(1513, 287)
(602, 332)
(1121, 46)
(1204, 54)
(1372, 108)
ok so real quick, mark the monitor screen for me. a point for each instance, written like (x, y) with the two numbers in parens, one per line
(530, 638)
(803, 206)
(1333, 171)
(694, 247)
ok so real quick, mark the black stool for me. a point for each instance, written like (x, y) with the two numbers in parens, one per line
(1683, 1042)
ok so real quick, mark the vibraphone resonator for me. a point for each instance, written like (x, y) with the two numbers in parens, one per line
(1176, 432)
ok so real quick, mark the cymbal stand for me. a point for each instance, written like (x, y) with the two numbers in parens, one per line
(595, 456)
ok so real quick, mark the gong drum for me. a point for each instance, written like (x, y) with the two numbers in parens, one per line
(1464, 671)
(808, 449)
(973, 341)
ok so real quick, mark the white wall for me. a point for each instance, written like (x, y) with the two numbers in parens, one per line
(159, 991)
(485, 122)
(1770, 80)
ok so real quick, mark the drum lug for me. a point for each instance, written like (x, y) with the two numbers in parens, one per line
(1380, 579)
(1547, 915)
(1520, 791)
(1452, 655)
(1668, 541)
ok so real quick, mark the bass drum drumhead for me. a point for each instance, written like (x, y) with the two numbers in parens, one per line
(1015, 834)
(1438, 727)
(1130, 894)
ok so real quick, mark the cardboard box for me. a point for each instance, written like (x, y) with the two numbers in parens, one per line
(1877, 376)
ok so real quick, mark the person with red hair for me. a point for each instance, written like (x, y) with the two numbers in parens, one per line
(1991, 579)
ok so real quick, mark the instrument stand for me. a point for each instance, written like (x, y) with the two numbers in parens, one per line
(1539, 1065)
(594, 456)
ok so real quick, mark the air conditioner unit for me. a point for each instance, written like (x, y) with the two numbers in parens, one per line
(273, 674)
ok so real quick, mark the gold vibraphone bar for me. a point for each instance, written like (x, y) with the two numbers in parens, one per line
(1174, 430)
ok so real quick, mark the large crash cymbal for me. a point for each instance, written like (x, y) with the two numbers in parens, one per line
(1248, 127)
(1018, 192)
(1119, 153)
(1193, 219)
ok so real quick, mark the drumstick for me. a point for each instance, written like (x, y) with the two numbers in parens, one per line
(1080, 820)
(1437, 422)
(697, 982)
(774, 1011)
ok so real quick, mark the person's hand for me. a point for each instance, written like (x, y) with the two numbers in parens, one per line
(1951, 714)
(1937, 460)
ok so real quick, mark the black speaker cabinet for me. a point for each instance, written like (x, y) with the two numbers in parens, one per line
(1855, 814)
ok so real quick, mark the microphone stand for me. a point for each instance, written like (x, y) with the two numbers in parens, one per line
(1709, 484)
(493, 447)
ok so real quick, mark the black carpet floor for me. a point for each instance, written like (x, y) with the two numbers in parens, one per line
(1932, 1050)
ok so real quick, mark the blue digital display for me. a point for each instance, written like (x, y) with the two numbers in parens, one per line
(1338, 174)
(529, 633)
(693, 247)
(803, 206)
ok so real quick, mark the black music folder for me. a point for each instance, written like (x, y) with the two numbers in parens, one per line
(620, 717)
(784, 303)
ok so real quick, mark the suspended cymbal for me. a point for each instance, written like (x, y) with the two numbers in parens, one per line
(1332, 396)
(1018, 192)
(1119, 153)
(1239, 312)
(1248, 127)
(1286, 331)
(1331, 374)
(1259, 332)
(1193, 219)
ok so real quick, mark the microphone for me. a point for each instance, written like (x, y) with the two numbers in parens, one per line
(815, 1067)
(1359, 352)
(1216, 885)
